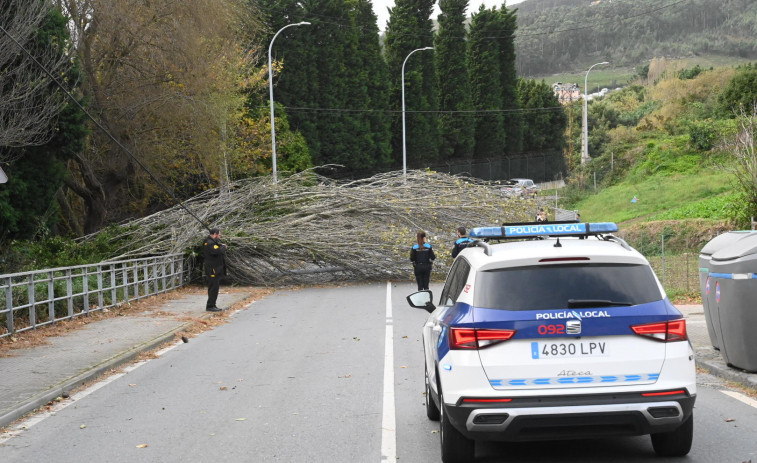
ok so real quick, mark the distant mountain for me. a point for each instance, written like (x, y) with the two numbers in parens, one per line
(567, 35)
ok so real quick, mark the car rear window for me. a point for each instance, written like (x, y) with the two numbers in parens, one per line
(550, 287)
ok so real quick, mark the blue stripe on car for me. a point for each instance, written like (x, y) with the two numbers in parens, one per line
(621, 379)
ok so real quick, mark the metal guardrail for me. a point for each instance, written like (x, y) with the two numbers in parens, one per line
(41, 297)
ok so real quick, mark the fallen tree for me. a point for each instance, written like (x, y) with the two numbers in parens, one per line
(311, 229)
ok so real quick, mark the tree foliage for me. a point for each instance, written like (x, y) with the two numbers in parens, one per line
(456, 129)
(30, 101)
(410, 28)
(543, 116)
(485, 70)
(162, 78)
(28, 208)
(332, 74)
(741, 91)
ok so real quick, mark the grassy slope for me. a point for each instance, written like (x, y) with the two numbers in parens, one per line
(659, 194)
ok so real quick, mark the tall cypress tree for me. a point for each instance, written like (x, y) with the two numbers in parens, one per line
(372, 77)
(456, 129)
(513, 123)
(485, 77)
(334, 68)
(546, 123)
(410, 28)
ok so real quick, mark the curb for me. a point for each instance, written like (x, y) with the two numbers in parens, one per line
(67, 385)
(717, 367)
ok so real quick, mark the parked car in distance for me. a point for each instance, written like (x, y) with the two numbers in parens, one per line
(521, 187)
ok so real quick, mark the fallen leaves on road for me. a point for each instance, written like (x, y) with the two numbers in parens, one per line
(141, 446)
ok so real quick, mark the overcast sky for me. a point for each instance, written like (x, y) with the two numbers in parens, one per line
(381, 6)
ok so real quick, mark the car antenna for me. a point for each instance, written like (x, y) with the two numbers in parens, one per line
(557, 244)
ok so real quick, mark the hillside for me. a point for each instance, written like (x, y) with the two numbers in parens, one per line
(569, 35)
(665, 164)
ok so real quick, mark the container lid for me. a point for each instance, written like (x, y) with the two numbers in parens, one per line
(723, 240)
(743, 247)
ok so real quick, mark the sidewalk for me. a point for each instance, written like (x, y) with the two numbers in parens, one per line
(32, 377)
(707, 357)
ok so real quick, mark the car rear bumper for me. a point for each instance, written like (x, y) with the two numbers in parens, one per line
(567, 421)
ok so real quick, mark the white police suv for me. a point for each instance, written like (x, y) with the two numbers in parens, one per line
(565, 333)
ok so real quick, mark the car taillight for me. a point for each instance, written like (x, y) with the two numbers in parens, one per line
(471, 338)
(673, 330)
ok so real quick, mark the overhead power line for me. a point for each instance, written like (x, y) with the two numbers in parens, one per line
(439, 111)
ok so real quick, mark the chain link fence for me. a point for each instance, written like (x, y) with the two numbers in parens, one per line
(673, 252)
(540, 167)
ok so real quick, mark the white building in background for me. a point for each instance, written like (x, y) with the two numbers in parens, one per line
(566, 93)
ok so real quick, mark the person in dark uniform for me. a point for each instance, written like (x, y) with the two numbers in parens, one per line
(461, 243)
(215, 266)
(422, 256)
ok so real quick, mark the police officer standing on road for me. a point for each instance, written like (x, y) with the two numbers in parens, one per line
(461, 243)
(422, 256)
(215, 266)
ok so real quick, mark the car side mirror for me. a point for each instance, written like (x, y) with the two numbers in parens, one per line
(422, 300)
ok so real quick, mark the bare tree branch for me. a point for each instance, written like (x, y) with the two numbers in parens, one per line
(30, 103)
(306, 226)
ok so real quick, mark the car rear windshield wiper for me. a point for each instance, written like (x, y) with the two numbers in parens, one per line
(582, 303)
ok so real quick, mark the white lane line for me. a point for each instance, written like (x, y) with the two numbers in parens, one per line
(741, 397)
(41, 416)
(388, 421)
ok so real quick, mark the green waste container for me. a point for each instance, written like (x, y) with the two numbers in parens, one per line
(708, 296)
(733, 302)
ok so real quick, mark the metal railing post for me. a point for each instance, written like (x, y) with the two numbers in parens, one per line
(85, 289)
(70, 293)
(32, 312)
(51, 295)
(9, 305)
(99, 286)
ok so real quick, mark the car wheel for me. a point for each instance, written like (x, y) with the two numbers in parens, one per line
(456, 448)
(676, 443)
(432, 411)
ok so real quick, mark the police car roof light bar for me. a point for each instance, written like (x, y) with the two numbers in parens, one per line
(531, 229)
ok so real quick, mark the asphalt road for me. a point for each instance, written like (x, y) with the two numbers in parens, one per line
(301, 376)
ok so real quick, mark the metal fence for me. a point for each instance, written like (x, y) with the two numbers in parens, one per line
(676, 264)
(41, 297)
(540, 167)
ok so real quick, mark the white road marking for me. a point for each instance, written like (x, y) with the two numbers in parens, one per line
(741, 397)
(39, 417)
(388, 421)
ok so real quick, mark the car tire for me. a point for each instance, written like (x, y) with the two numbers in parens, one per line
(456, 448)
(676, 443)
(432, 411)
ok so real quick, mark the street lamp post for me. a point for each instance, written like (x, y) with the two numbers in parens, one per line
(404, 146)
(270, 86)
(585, 135)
